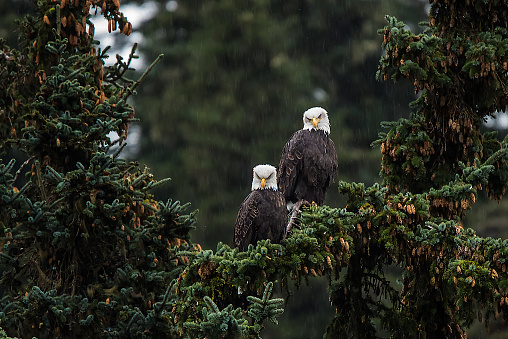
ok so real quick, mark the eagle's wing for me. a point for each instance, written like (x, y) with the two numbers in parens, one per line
(290, 165)
(245, 225)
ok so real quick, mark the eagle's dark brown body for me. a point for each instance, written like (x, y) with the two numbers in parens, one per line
(308, 165)
(262, 215)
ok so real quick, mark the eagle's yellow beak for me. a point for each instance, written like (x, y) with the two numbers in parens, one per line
(315, 122)
(263, 183)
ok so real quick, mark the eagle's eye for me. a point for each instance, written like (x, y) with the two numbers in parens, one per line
(268, 177)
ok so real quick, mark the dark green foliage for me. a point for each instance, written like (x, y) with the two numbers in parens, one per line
(217, 324)
(230, 323)
(459, 64)
(260, 309)
(3, 335)
(86, 250)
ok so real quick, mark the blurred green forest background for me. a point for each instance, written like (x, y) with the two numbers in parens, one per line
(235, 81)
(231, 89)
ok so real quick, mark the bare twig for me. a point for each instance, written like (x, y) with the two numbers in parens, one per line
(294, 214)
(21, 168)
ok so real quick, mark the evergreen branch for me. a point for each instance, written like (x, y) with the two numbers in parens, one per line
(150, 207)
(154, 184)
(119, 150)
(21, 191)
(502, 153)
(54, 174)
(131, 54)
(5, 169)
(260, 309)
(56, 202)
(39, 180)
(58, 20)
(72, 74)
(131, 88)
(131, 322)
(165, 299)
(217, 323)
(118, 70)
(211, 305)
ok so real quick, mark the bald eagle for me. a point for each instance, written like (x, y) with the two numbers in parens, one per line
(262, 214)
(308, 163)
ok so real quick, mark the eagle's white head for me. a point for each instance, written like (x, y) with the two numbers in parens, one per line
(316, 118)
(264, 177)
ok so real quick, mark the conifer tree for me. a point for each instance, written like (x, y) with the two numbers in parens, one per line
(86, 250)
